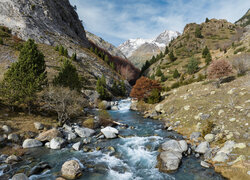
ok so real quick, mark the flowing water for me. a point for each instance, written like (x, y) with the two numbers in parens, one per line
(135, 156)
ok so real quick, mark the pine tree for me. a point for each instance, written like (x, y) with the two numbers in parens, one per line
(74, 57)
(158, 72)
(208, 59)
(101, 88)
(207, 20)
(68, 76)
(198, 32)
(161, 55)
(57, 48)
(1, 41)
(163, 78)
(25, 77)
(154, 97)
(176, 74)
(122, 88)
(166, 50)
(205, 52)
(192, 66)
(171, 56)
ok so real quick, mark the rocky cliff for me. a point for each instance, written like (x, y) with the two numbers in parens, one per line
(45, 21)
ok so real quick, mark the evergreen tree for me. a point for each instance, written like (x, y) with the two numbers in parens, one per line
(163, 78)
(171, 56)
(154, 97)
(57, 48)
(176, 74)
(158, 72)
(1, 41)
(74, 58)
(101, 88)
(122, 88)
(205, 52)
(115, 88)
(106, 58)
(166, 50)
(161, 55)
(208, 59)
(68, 76)
(25, 77)
(61, 50)
(207, 20)
(192, 66)
(198, 32)
(152, 77)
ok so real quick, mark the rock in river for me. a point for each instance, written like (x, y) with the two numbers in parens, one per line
(57, 143)
(110, 132)
(71, 169)
(20, 176)
(30, 143)
(84, 132)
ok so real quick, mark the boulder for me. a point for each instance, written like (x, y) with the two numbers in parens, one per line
(110, 132)
(205, 164)
(3, 137)
(6, 129)
(69, 135)
(77, 146)
(115, 108)
(71, 169)
(173, 145)
(47, 144)
(30, 143)
(38, 125)
(220, 157)
(240, 145)
(169, 160)
(20, 176)
(57, 143)
(183, 145)
(209, 137)
(67, 127)
(84, 132)
(12, 159)
(159, 108)
(106, 104)
(13, 137)
(5, 168)
(49, 135)
(202, 148)
(228, 147)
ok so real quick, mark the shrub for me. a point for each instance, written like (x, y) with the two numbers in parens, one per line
(143, 88)
(118, 88)
(154, 97)
(239, 50)
(192, 66)
(74, 57)
(104, 117)
(205, 52)
(171, 56)
(101, 88)
(163, 78)
(207, 128)
(219, 69)
(242, 64)
(176, 74)
(68, 76)
(1, 41)
(158, 72)
(198, 32)
(208, 59)
(175, 85)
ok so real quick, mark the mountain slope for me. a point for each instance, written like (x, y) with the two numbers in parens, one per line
(47, 22)
(104, 45)
(245, 20)
(139, 50)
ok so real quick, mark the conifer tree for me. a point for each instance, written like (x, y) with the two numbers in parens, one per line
(192, 66)
(25, 77)
(166, 50)
(205, 52)
(208, 58)
(171, 56)
(101, 88)
(207, 20)
(176, 74)
(198, 32)
(158, 72)
(68, 76)
(74, 57)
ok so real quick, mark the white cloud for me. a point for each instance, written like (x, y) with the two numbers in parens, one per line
(117, 21)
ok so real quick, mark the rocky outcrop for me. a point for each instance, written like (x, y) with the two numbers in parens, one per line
(48, 22)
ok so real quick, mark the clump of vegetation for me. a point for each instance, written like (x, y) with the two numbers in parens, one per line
(207, 20)
(104, 117)
(158, 72)
(241, 49)
(242, 64)
(192, 66)
(175, 85)
(74, 57)
(62, 51)
(163, 78)
(25, 77)
(208, 59)
(207, 128)
(171, 56)
(118, 88)
(154, 97)
(205, 51)
(68, 76)
(219, 69)
(143, 88)
(176, 74)
(166, 50)
(101, 88)
(198, 32)
(1, 41)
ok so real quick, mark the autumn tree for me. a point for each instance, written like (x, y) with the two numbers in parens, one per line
(219, 69)
(143, 88)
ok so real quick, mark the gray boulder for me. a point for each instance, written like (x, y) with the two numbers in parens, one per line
(13, 137)
(20, 176)
(38, 125)
(220, 157)
(202, 148)
(77, 146)
(71, 169)
(205, 164)
(3, 137)
(173, 145)
(57, 143)
(69, 135)
(84, 132)
(6, 129)
(170, 160)
(195, 135)
(11, 159)
(110, 132)
(209, 137)
(31, 143)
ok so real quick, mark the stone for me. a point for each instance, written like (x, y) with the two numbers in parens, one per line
(170, 160)
(57, 143)
(13, 137)
(232, 119)
(183, 145)
(195, 135)
(186, 108)
(69, 135)
(209, 137)
(205, 164)
(110, 132)
(71, 169)
(240, 158)
(47, 144)
(5, 168)
(12, 159)
(77, 146)
(177, 123)
(202, 148)
(60, 178)
(49, 135)
(106, 104)
(114, 108)
(3, 157)
(173, 145)
(221, 111)
(228, 147)
(3, 137)
(6, 129)
(67, 128)
(240, 145)
(159, 108)
(220, 157)
(170, 128)
(20, 176)
(84, 132)
(31, 143)
(38, 125)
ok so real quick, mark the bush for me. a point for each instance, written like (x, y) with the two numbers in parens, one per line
(175, 85)
(219, 69)
(207, 128)
(158, 72)
(1, 41)
(198, 32)
(242, 64)
(143, 88)
(104, 117)
(118, 88)
(205, 52)
(68, 76)
(163, 78)
(101, 88)
(171, 56)
(74, 57)
(192, 66)
(154, 97)
(239, 50)
(208, 59)
(176, 74)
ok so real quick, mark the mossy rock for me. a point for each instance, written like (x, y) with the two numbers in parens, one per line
(89, 123)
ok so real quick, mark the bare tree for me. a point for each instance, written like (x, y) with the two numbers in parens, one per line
(242, 63)
(65, 102)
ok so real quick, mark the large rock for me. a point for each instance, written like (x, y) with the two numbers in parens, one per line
(84, 132)
(38, 125)
(57, 143)
(109, 132)
(169, 160)
(195, 135)
(106, 104)
(13, 137)
(31, 143)
(77, 146)
(49, 135)
(228, 147)
(159, 108)
(71, 169)
(202, 148)
(6, 129)
(12, 159)
(173, 145)
(69, 135)
(20, 176)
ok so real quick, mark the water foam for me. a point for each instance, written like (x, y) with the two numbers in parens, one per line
(124, 105)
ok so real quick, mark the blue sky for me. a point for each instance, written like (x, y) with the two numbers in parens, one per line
(118, 20)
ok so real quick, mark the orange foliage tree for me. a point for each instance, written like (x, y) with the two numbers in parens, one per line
(143, 88)
(219, 69)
